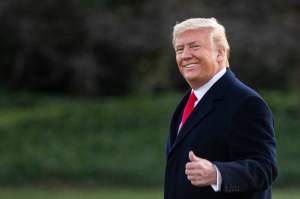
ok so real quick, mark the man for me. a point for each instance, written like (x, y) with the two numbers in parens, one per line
(224, 148)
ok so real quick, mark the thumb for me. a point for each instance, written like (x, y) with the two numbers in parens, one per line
(193, 157)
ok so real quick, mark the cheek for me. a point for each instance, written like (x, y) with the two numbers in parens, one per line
(178, 60)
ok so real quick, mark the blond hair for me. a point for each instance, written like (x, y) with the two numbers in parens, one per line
(218, 33)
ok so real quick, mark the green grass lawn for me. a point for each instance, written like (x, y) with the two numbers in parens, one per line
(109, 194)
(80, 194)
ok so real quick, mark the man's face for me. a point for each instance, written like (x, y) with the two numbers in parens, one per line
(196, 57)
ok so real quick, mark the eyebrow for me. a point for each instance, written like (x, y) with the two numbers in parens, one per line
(190, 43)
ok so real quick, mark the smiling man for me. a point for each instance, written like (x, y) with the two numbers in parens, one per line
(221, 141)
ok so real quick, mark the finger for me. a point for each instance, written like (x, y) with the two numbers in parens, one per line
(191, 178)
(195, 179)
(190, 165)
(193, 157)
(197, 183)
(190, 172)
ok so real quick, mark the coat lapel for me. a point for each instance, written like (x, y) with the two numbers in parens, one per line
(198, 114)
(202, 110)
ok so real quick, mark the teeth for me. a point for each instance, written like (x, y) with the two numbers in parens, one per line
(190, 66)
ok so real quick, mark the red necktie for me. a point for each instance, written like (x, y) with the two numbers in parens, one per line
(188, 107)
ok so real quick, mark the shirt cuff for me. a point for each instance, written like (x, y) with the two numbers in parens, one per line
(217, 187)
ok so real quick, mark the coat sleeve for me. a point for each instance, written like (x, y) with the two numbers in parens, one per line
(252, 149)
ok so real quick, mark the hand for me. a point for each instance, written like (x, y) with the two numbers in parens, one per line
(200, 172)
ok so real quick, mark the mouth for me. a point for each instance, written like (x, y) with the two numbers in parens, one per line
(189, 66)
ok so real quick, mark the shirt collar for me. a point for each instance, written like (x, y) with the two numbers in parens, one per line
(200, 92)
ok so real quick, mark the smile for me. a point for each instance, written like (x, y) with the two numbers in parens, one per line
(190, 65)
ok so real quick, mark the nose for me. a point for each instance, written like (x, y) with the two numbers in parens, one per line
(186, 54)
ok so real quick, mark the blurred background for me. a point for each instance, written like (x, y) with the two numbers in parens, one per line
(87, 87)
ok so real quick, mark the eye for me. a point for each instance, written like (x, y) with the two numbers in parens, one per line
(195, 46)
(179, 50)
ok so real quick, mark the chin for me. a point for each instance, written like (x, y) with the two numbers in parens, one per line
(191, 80)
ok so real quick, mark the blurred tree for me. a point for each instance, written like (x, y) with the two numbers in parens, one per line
(264, 43)
(120, 46)
(43, 35)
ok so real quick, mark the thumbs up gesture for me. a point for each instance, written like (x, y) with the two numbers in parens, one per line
(200, 172)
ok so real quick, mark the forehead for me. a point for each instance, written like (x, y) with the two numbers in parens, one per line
(200, 35)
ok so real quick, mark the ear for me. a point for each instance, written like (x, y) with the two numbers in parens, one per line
(220, 55)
